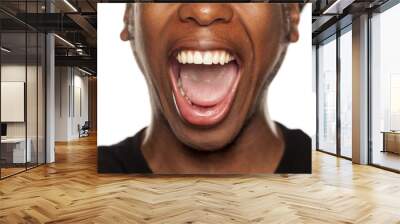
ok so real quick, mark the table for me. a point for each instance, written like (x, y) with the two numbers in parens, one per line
(391, 141)
(13, 150)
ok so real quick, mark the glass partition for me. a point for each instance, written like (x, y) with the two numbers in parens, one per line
(14, 153)
(22, 77)
(41, 96)
(31, 100)
(327, 96)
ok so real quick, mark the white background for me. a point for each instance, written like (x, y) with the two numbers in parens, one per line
(123, 103)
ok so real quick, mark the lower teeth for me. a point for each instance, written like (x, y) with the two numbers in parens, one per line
(190, 102)
(183, 92)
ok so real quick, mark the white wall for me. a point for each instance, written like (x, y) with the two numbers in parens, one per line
(291, 98)
(69, 82)
(82, 83)
(33, 127)
(122, 90)
(61, 105)
(17, 73)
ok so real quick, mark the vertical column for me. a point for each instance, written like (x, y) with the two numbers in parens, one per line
(50, 92)
(360, 90)
(338, 98)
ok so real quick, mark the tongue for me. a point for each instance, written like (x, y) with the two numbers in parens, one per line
(207, 85)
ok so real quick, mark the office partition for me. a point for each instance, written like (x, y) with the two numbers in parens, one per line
(23, 87)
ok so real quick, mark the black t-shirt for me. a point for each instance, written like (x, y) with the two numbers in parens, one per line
(127, 157)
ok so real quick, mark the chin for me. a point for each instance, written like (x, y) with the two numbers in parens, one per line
(206, 146)
(206, 140)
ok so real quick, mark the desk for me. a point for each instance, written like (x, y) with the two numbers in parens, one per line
(391, 141)
(13, 150)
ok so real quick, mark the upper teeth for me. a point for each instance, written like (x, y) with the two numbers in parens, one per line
(204, 57)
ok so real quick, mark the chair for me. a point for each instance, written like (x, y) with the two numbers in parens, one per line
(84, 130)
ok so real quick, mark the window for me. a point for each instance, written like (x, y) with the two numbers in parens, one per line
(327, 96)
(346, 93)
(385, 89)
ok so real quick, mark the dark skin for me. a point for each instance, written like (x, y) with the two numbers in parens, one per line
(246, 140)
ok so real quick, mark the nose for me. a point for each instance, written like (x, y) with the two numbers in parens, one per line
(205, 14)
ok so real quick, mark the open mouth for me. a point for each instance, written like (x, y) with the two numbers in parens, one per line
(204, 84)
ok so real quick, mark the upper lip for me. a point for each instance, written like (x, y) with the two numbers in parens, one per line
(203, 44)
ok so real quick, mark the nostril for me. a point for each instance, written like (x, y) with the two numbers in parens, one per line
(221, 20)
(189, 19)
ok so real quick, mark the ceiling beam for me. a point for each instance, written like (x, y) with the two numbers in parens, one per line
(337, 7)
(83, 61)
(84, 24)
(320, 22)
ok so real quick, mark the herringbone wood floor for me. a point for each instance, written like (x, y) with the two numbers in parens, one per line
(70, 191)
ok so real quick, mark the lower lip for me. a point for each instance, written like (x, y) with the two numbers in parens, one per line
(198, 115)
